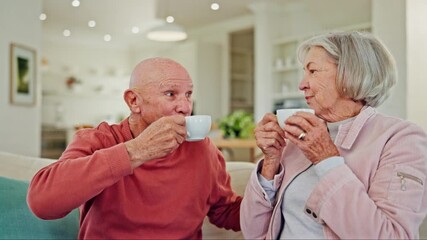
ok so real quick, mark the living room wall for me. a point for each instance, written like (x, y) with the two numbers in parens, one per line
(19, 125)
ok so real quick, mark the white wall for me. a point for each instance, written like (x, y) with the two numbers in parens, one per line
(389, 24)
(402, 29)
(19, 125)
(416, 17)
(104, 74)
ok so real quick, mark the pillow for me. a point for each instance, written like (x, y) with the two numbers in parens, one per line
(18, 222)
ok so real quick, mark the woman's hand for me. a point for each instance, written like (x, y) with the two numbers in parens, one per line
(311, 135)
(270, 138)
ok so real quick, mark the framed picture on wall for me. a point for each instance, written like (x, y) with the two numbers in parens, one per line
(22, 75)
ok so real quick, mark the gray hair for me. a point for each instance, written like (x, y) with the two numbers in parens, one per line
(366, 69)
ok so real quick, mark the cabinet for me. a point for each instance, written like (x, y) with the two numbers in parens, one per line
(287, 72)
(54, 142)
(242, 71)
(242, 80)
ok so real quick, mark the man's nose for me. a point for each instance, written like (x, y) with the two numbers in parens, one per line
(184, 105)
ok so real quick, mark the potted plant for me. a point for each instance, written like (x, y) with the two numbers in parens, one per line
(238, 124)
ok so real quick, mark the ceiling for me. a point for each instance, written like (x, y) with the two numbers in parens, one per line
(117, 17)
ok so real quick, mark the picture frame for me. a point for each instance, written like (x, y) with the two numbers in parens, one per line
(23, 75)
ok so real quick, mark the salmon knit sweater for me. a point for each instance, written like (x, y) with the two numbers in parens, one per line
(162, 199)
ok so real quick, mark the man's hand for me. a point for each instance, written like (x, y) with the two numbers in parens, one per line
(157, 140)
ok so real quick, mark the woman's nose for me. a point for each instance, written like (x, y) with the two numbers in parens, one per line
(303, 84)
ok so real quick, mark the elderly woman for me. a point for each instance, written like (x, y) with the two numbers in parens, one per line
(347, 171)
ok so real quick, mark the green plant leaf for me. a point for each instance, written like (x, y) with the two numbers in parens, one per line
(238, 124)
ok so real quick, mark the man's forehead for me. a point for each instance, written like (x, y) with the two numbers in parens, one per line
(173, 82)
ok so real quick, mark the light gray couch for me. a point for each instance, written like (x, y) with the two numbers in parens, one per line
(17, 170)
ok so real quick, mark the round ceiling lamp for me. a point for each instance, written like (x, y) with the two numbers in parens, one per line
(168, 32)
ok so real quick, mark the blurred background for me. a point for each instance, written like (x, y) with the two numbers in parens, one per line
(240, 54)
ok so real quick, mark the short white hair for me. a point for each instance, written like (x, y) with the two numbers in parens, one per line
(366, 69)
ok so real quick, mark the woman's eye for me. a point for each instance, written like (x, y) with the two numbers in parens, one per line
(312, 71)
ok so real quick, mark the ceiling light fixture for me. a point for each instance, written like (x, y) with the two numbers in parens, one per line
(66, 33)
(75, 3)
(43, 16)
(107, 37)
(168, 32)
(91, 23)
(170, 19)
(135, 29)
(214, 6)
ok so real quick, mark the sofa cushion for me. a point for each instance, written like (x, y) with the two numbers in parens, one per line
(239, 174)
(18, 222)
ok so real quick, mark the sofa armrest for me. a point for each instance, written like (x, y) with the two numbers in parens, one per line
(18, 222)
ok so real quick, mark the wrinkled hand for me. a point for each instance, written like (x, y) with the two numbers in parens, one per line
(157, 140)
(317, 144)
(270, 138)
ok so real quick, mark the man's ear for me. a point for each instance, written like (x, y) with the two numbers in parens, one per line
(131, 99)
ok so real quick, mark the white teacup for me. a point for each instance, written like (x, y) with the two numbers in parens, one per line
(283, 114)
(198, 126)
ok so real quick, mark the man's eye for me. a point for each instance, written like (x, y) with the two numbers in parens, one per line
(188, 94)
(169, 94)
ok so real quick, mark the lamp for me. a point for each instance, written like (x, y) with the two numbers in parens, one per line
(167, 32)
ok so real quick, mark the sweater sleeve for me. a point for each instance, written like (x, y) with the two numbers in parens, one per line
(91, 163)
(225, 210)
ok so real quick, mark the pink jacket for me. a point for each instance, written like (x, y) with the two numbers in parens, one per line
(378, 193)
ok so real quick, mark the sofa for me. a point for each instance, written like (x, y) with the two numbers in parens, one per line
(18, 222)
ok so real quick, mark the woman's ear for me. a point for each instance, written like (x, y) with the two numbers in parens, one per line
(131, 99)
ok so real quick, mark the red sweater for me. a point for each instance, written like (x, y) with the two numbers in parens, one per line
(163, 198)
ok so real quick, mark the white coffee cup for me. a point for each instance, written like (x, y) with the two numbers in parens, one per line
(198, 126)
(283, 114)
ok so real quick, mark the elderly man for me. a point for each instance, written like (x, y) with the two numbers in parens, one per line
(140, 178)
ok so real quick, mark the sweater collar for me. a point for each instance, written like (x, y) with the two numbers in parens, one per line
(124, 125)
(348, 131)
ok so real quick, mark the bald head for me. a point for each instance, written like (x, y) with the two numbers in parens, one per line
(157, 69)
